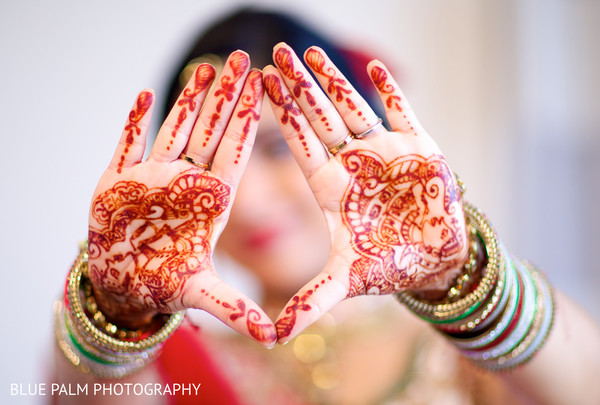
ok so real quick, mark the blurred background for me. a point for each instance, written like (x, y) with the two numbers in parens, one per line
(509, 89)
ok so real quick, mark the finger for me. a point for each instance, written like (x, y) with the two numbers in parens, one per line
(132, 143)
(356, 112)
(211, 294)
(217, 109)
(175, 131)
(234, 150)
(397, 109)
(299, 135)
(316, 298)
(318, 109)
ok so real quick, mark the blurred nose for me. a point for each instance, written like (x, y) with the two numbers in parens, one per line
(256, 192)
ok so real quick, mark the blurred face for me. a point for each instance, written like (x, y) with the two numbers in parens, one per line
(276, 229)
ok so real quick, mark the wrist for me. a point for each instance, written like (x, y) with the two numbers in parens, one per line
(462, 277)
(504, 318)
(104, 351)
(106, 308)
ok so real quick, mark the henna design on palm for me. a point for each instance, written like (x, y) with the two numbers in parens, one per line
(401, 216)
(164, 232)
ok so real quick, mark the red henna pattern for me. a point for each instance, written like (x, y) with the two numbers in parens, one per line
(203, 78)
(402, 216)
(238, 62)
(392, 102)
(260, 331)
(250, 102)
(286, 324)
(335, 85)
(164, 231)
(274, 90)
(285, 62)
(142, 105)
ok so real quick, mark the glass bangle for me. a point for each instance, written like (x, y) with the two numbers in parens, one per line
(540, 330)
(524, 323)
(80, 360)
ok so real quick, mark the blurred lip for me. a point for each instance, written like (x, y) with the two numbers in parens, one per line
(264, 237)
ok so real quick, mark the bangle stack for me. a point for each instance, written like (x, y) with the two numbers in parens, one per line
(96, 346)
(506, 319)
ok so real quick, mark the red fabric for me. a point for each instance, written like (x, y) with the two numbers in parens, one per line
(185, 360)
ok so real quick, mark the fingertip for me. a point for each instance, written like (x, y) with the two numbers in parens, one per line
(239, 61)
(205, 68)
(255, 77)
(271, 341)
(373, 63)
(148, 90)
(315, 48)
(241, 52)
(202, 77)
(272, 84)
(145, 97)
(280, 45)
(311, 49)
(268, 69)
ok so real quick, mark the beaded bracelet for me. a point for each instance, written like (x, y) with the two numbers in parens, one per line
(462, 280)
(501, 320)
(449, 312)
(96, 346)
(83, 361)
(105, 341)
(490, 309)
(100, 321)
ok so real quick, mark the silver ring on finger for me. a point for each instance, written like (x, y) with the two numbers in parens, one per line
(192, 161)
(370, 130)
(349, 138)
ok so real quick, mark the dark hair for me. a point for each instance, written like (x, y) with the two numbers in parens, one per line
(257, 32)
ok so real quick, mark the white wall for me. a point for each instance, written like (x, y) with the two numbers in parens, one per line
(480, 75)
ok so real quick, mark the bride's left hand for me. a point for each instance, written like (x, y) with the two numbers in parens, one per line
(391, 202)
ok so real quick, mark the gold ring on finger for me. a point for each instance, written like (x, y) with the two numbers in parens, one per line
(370, 130)
(192, 161)
(349, 138)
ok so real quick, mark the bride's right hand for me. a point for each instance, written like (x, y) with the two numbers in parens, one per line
(154, 223)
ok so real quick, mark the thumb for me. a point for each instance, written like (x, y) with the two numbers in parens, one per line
(211, 294)
(313, 300)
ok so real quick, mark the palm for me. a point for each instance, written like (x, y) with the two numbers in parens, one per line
(401, 215)
(154, 224)
(147, 238)
(391, 202)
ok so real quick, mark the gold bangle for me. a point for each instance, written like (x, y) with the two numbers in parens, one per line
(87, 364)
(449, 311)
(101, 339)
(470, 266)
(491, 305)
(100, 321)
